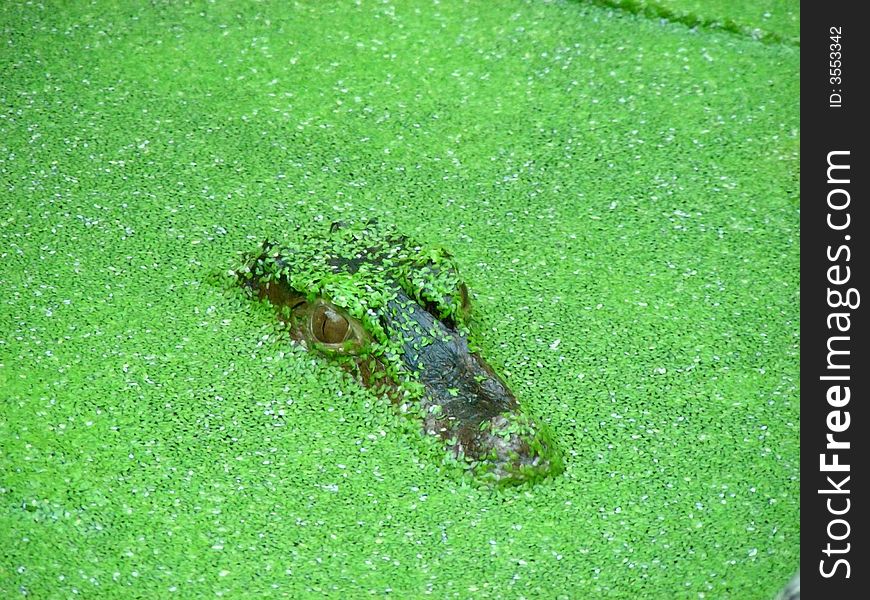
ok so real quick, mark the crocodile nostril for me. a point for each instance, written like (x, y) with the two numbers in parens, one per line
(514, 449)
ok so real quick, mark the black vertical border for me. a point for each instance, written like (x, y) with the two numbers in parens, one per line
(825, 129)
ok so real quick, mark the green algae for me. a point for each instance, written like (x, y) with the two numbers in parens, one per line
(619, 193)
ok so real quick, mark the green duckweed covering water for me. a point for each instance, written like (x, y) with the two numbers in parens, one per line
(620, 193)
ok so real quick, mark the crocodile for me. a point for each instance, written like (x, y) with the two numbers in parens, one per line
(396, 315)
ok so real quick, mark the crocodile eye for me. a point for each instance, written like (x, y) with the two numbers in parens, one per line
(328, 326)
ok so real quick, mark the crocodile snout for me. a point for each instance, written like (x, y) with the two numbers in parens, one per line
(468, 404)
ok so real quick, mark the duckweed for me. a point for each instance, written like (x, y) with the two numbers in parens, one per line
(619, 191)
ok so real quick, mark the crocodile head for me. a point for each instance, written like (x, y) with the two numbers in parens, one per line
(396, 315)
